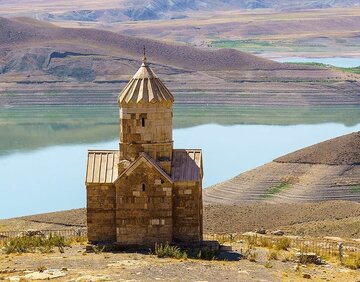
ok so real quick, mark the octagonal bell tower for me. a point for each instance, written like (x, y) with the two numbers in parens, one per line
(146, 110)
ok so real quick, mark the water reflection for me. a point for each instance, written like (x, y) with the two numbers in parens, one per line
(52, 178)
(26, 129)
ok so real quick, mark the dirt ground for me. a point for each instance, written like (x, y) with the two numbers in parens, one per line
(75, 264)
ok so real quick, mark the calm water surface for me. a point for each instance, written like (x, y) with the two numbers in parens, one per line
(50, 176)
(342, 62)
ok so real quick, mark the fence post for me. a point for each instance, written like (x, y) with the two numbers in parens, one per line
(341, 254)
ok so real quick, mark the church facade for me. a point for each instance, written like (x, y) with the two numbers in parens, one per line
(146, 192)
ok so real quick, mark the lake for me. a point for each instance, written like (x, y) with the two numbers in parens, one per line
(342, 62)
(43, 150)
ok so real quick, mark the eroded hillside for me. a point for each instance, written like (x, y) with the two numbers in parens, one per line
(326, 171)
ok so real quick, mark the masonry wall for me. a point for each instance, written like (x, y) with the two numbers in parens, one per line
(101, 212)
(188, 212)
(143, 207)
(147, 128)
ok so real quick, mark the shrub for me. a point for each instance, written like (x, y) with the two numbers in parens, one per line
(283, 244)
(77, 240)
(27, 244)
(98, 249)
(47, 249)
(273, 255)
(252, 256)
(286, 257)
(265, 242)
(22, 244)
(207, 254)
(167, 251)
(41, 268)
(352, 261)
(251, 241)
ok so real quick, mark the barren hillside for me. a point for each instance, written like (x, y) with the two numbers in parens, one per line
(326, 171)
(20, 32)
(343, 150)
(311, 219)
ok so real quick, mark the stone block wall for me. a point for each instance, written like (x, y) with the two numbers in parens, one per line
(146, 128)
(188, 212)
(143, 207)
(161, 152)
(101, 212)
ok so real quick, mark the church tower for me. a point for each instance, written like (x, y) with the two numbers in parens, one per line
(146, 119)
(146, 192)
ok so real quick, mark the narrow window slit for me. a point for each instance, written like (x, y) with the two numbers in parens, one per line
(143, 122)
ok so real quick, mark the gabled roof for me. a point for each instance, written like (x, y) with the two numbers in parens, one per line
(102, 166)
(187, 165)
(145, 87)
(144, 157)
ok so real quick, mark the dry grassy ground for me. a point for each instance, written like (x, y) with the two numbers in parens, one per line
(77, 265)
(264, 264)
(331, 218)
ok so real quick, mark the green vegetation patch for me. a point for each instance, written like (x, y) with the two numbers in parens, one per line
(314, 64)
(273, 190)
(352, 261)
(250, 44)
(30, 244)
(355, 188)
(170, 251)
(351, 70)
(355, 70)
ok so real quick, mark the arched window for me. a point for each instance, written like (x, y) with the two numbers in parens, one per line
(143, 122)
(143, 187)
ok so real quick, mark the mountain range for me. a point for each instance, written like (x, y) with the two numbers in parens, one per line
(165, 9)
(41, 63)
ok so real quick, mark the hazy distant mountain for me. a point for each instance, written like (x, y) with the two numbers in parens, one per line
(160, 9)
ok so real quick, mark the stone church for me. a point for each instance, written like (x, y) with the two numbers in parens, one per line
(146, 192)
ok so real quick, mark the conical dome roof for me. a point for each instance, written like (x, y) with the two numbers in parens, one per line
(145, 87)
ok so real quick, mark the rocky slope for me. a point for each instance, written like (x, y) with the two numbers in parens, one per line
(326, 171)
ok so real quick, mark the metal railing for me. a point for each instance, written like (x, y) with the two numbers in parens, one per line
(320, 246)
(67, 233)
